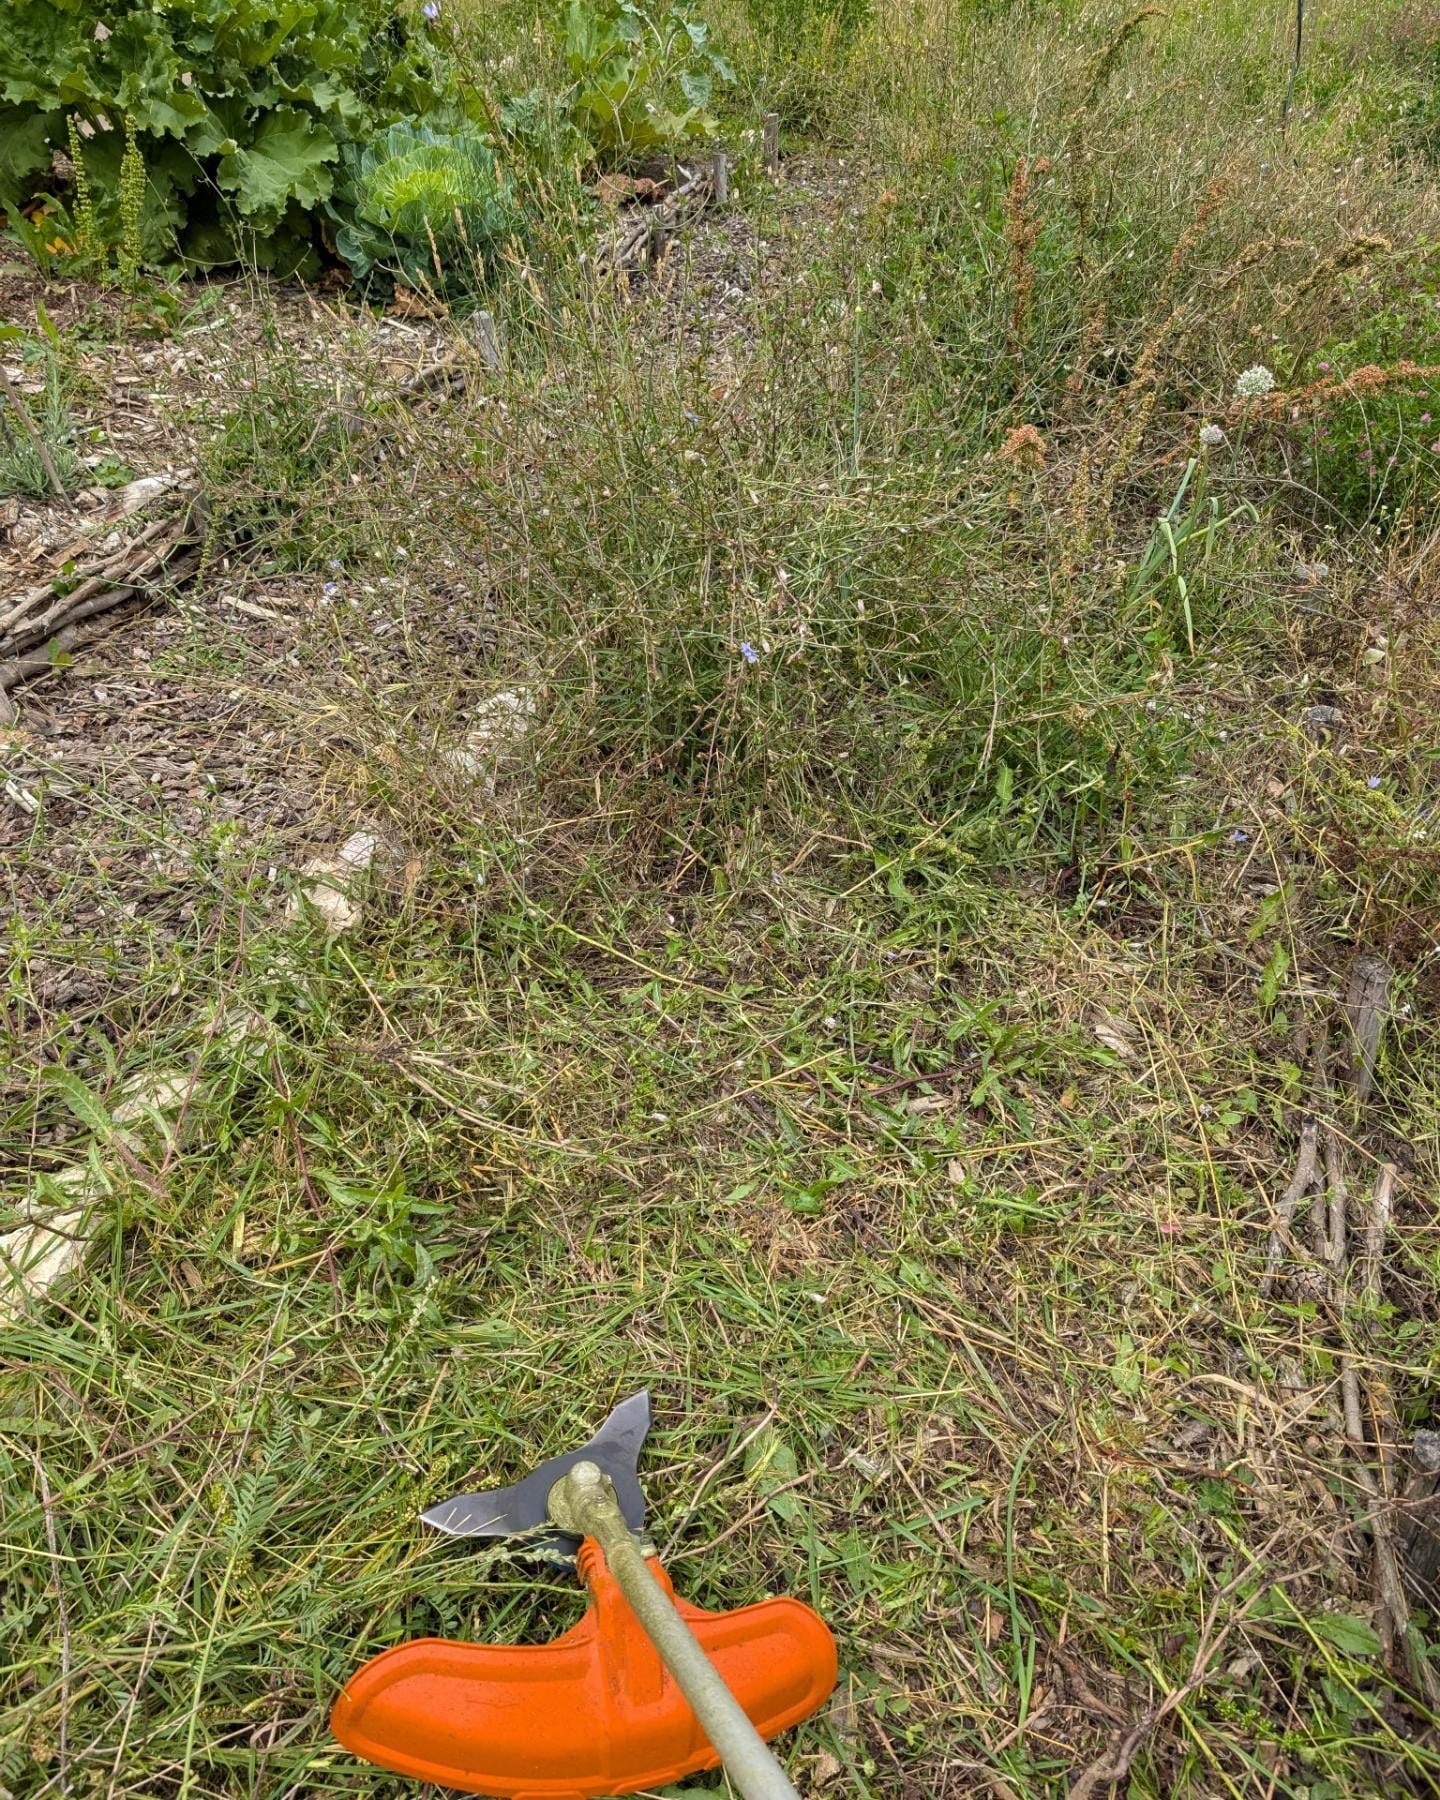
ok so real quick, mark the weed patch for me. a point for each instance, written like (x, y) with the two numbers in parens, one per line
(886, 764)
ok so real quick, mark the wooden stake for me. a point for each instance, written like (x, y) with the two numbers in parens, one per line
(486, 337)
(1295, 64)
(770, 153)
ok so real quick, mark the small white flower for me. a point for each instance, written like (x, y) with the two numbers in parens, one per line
(1251, 383)
(1211, 435)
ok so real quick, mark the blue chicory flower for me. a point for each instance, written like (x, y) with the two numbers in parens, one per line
(1372, 781)
(749, 652)
(330, 589)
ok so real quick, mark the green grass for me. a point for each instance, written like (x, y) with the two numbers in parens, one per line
(891, 1043)
(37, 438)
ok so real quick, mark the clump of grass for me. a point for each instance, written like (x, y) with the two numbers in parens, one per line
(280, 458)
(38, 458)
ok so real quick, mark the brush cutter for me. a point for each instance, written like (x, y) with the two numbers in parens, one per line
(644, 1690)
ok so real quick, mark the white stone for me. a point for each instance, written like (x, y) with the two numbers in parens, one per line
(36, 1258)
(327, 883)
(500, 727)
(358, 851)
(152, 1094)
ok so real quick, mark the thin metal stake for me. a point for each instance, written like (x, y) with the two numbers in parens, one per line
(1295, 65)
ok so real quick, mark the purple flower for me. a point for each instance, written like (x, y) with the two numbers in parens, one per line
(749, 652)
(1372, 781)
(330, 589)
(431, 9)
(1424, 418)
(1237, 836)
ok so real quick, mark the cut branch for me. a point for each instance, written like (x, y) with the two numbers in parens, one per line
(1370, 1423)
(1337, 1249)
(1300, 1184)
(640, 240)
(75, 633)
(1366, 1001)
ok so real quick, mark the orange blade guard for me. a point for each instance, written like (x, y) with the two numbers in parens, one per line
(595, 1712)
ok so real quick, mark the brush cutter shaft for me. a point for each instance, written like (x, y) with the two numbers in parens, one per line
(583, 1501)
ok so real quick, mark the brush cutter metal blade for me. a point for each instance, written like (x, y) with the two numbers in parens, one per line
(506, 1512)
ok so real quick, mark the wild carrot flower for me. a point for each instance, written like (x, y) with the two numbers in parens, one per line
(1211, 435)
(1251, 383)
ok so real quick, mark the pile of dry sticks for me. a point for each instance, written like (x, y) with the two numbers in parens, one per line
(148, 540)
(1333, 1255)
